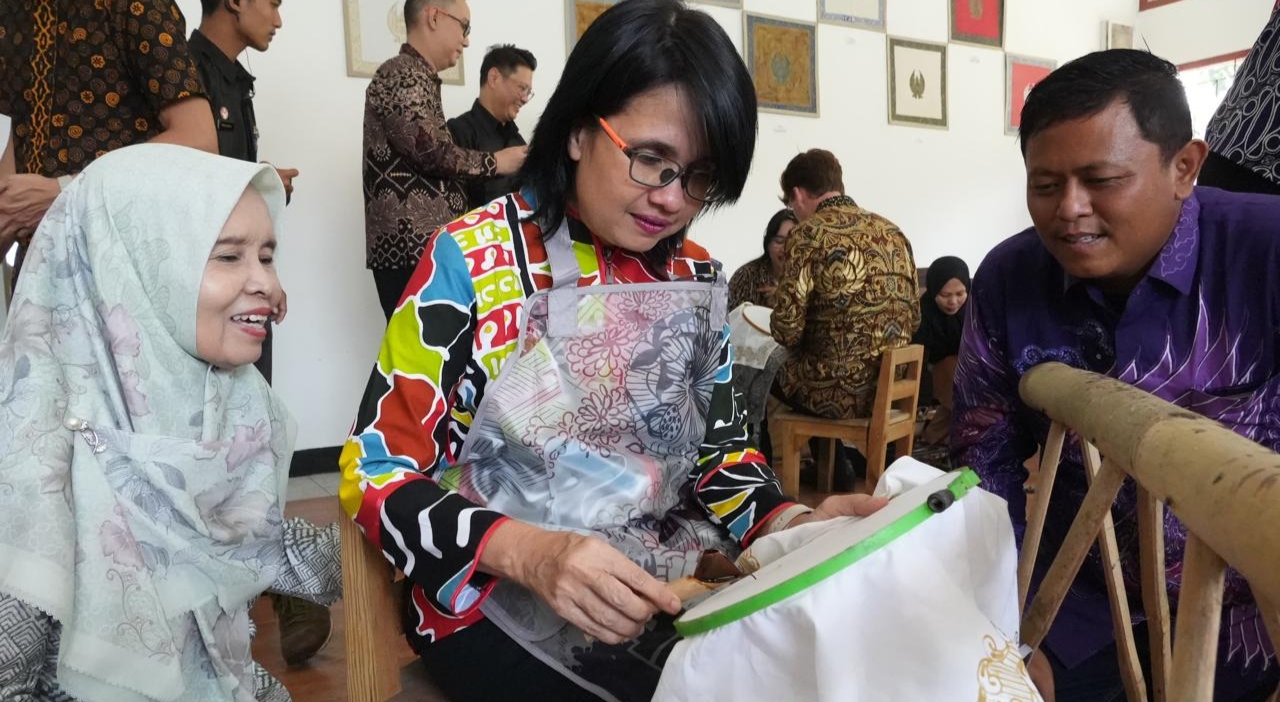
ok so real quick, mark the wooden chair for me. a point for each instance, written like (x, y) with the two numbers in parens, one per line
(375, 644)
(892, 421)
(1224, 488)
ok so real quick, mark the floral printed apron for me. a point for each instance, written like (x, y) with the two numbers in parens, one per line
(594, 427)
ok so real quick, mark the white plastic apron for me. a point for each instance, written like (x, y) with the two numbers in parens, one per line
(594, 427)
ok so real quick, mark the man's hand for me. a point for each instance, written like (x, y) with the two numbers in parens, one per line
(1041, 673)
(24, 198)
(510, 159)
(286, 176)
(584, 579)
(847, 505)
(282, 309)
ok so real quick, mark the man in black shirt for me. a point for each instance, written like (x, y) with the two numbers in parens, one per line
(506, 85)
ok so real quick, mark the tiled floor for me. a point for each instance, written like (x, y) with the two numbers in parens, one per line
(308, 487)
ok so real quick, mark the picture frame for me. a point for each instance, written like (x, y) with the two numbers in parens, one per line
(578, 15)
(1119, 36)
(374, 32)
(782, 58)
(917, 83)
(1151, 4)
(860, 14)
(1021, 73)
(977, 22)
(721, 3)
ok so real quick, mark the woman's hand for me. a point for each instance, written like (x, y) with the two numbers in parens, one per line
(846, 505)
(584, 579)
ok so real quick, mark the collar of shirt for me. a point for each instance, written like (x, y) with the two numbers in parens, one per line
(408, 50)
(836, 201)
(490, 122)
(1175, 265)
(229, 70)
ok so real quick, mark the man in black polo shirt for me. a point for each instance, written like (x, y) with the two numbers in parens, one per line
(506, 85)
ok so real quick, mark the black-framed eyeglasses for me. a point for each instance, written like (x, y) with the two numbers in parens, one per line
(465, 24)
(653, 171)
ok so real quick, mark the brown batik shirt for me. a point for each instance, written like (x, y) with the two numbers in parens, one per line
(84, 77)
(414, 175)
(849, 292)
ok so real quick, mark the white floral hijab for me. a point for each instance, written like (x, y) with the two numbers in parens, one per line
(140, 488)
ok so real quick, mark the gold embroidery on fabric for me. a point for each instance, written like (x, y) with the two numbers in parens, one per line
(41, 92)
(1002, 677)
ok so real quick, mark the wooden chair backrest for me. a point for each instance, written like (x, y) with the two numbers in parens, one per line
(1224, 488)
(899, 385)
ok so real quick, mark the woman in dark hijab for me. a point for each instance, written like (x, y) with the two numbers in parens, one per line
(941, 323)
(942, 308)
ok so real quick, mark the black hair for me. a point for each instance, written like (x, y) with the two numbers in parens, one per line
(1148, 84)
(771, 229)
(414, 8)
(633, 47)
(208, 7)
(507, 58)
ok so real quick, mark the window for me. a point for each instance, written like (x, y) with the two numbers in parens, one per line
(1206, 85)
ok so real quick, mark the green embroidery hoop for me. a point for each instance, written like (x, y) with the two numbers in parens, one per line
(692, 624)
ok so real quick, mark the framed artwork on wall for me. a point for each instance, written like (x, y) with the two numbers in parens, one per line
(917, 83)
(1148, 4)
(1021, 73)
(578, 15)
(1119, 36)
(782, 57)
(721, 3)
(863, 14)
(979, 22)
(375, 30)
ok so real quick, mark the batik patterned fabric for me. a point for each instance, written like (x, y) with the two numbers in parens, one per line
(848, 294)
(84, 77)
(414, 175)
(1197, 331)
(1246, 126)
(450, 337)
(747, 281)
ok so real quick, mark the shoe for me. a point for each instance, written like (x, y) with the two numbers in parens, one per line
(305, 628)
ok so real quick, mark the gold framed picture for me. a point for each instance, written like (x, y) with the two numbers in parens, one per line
(782, 59)
(578, 15)
(917, 83)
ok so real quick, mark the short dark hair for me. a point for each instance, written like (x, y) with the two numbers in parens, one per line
(208, 7)
(633, 47)
(413, 8)
(507, 58)
(1148, 84)
(816, 170)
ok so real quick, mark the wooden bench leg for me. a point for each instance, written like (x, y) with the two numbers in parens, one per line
(789, 466)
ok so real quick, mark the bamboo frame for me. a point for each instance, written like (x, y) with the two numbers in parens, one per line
(1224, 488)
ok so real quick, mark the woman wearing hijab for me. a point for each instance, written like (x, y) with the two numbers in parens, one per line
(941, 323)
(550, 432)
(756, 281)
(143, 460)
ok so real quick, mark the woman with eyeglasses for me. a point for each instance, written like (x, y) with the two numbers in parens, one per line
(550, 435)
(756, 281)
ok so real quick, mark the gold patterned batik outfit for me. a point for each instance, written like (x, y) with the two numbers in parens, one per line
(746, 284)
(849, 292)
(84, 77)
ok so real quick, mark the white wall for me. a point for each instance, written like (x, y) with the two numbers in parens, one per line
(955, 191)
(1192, 30)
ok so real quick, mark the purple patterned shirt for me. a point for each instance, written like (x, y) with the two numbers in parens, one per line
(1200, 330)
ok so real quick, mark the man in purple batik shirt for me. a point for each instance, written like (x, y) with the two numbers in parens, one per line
(1133, 272)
